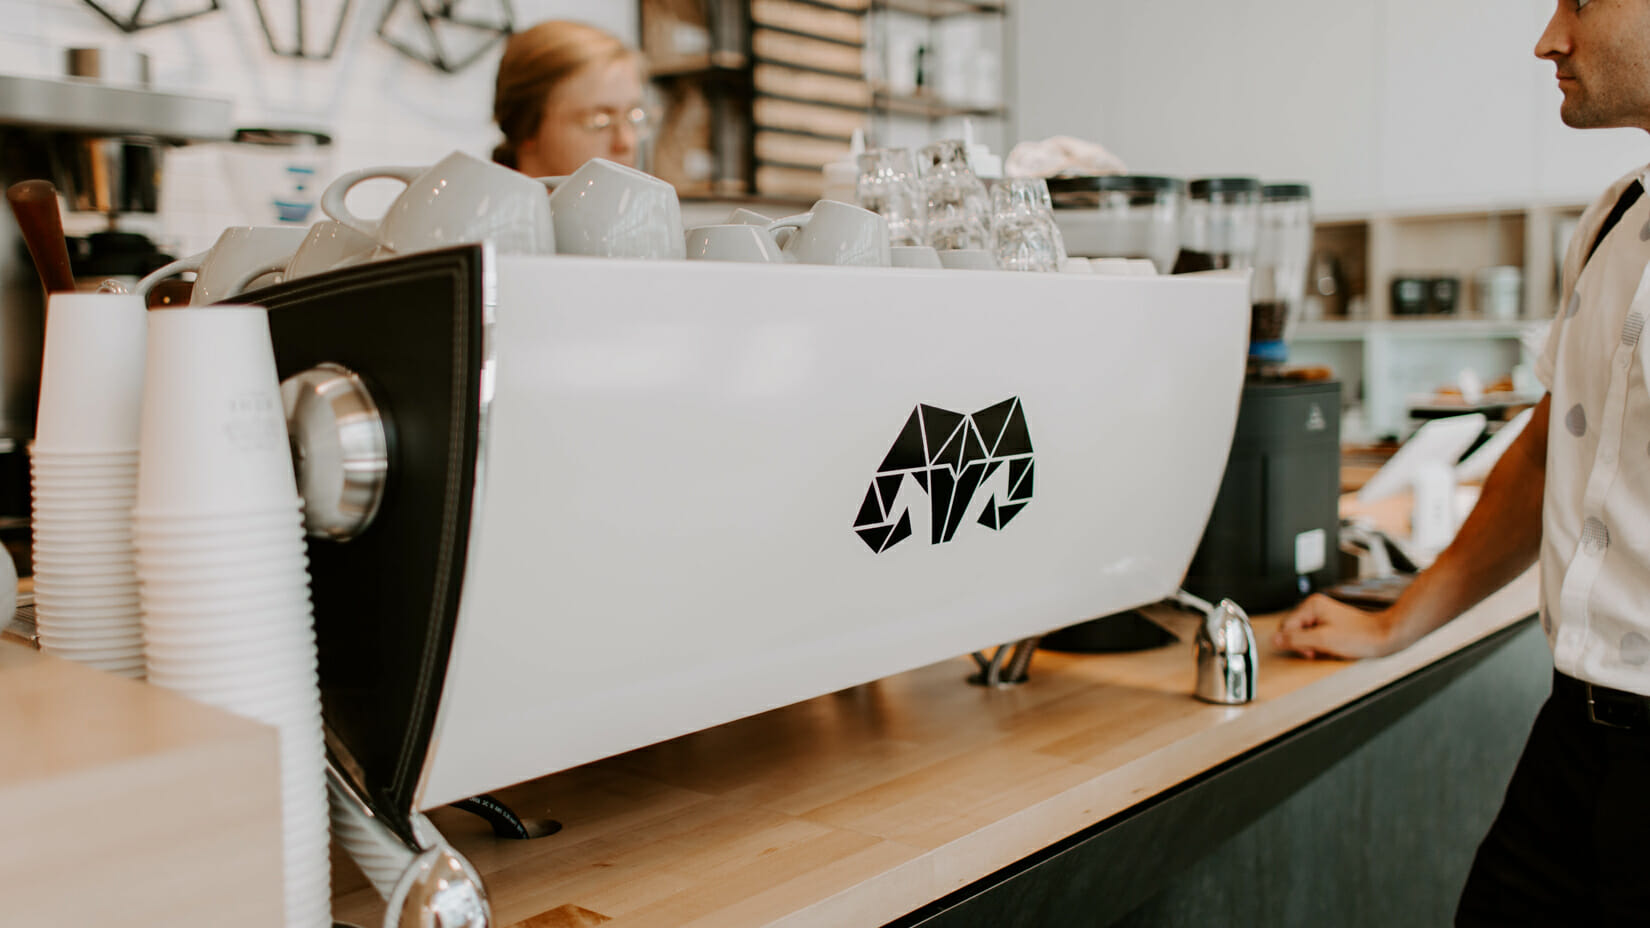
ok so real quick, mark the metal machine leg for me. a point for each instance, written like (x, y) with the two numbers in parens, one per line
(429, 886)
(1009, 665)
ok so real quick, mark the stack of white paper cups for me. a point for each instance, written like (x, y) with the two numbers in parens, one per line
(221, 560)
(83, 466)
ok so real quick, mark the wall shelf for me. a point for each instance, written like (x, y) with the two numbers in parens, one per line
(1383, 359)
(711, 63)
(940, 9)
(932, 108)
(1339, 330)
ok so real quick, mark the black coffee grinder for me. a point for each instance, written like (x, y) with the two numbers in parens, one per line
(1273, 534)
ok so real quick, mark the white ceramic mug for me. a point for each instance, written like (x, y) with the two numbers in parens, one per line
(836, 233)
(747, 217)
(329, 244)
(915, 256)
(748, 243)
(608, 210)
(969, 259)
(457, 201)
(239, 256)
(750, 217)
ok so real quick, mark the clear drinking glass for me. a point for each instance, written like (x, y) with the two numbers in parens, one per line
(958, 207)
(888, 186)
(1024, 236)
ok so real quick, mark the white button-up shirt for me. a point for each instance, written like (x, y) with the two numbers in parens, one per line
(1595, 523)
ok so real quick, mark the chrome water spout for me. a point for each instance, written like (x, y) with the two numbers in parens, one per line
(1226, 665)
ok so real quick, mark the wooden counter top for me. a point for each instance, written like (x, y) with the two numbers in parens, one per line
(859, 806)
(117, 798)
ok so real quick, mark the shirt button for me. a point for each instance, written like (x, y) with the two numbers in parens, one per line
(1595, 537)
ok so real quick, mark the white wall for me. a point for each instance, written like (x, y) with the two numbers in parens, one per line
(1385, 104)
(379, 106)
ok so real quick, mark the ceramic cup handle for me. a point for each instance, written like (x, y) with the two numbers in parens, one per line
(332, 201)
(191, 263)
(268, 266)
(783, 229)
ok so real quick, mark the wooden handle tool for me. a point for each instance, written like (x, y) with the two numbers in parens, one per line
(34, 202)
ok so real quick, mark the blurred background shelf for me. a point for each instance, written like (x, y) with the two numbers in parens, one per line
(932, 108)
(704, 65)
(1329, 330)
(1382, 356)
(758, 95)
(939, 9)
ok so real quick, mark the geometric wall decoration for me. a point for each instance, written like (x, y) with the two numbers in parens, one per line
(447, 35)
(306, 29)
(129, 17)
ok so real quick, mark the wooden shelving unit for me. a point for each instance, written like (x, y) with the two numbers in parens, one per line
(698, 65)
(761, 94)
(930, 108)
(931, 105)
(1385, 358)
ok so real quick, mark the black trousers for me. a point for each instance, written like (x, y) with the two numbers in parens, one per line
(1571, 845)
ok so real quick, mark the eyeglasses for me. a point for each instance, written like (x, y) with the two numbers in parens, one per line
(640, 119)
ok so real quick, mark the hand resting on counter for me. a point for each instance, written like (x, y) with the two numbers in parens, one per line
(1324, 627)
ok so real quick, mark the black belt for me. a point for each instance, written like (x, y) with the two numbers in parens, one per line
(1602, 705)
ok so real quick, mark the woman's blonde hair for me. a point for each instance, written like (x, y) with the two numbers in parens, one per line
(534, 62)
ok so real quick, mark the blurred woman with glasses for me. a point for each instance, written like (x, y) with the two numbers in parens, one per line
(566, 93)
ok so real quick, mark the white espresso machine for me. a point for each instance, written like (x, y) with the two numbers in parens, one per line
(619, 501)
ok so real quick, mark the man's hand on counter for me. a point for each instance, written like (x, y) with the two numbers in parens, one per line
(1324, 627)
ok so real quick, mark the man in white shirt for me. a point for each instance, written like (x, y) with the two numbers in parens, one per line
(1571, 845)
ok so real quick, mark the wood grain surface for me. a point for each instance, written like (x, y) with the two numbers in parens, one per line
(126, 804)
(859, 806)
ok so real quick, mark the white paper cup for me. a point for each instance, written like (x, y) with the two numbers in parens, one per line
(188, 608)
(214, 434)
(54, 580)
(91, 372)
(272, 682)
(109, 643)
(190, 537)
(89, 457)
(159, 522)
(93, 638)
(125, 667)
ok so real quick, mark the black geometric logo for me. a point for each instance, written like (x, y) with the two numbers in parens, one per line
(950, 456)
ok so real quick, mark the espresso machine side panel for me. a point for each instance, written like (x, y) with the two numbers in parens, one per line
(711, 489)
(386, 601)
